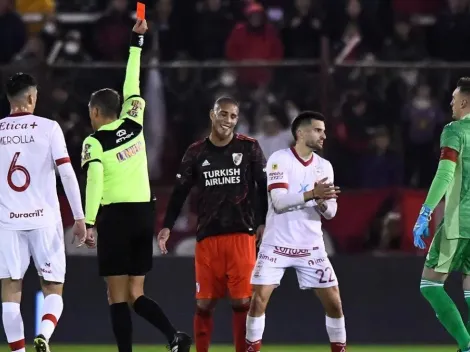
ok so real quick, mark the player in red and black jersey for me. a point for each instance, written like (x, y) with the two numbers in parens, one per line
(228, 170)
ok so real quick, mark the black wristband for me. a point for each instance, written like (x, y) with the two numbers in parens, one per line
(137, 40)
(89, 226)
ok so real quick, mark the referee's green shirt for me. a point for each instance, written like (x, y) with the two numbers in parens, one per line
(115, 156)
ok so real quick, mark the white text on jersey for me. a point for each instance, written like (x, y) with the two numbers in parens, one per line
(221, 177)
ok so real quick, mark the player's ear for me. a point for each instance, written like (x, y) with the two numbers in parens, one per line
(212, 114)
(463, 103)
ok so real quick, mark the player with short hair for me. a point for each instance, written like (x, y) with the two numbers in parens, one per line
(228, 171)
(30, 220)
(301, 191)
(450, 248)
(115, 160)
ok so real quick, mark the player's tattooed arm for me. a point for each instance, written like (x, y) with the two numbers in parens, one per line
(185, 179)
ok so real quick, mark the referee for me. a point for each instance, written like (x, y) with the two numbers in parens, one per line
(115, 161)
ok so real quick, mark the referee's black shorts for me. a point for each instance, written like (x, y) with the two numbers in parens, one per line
(125, 238)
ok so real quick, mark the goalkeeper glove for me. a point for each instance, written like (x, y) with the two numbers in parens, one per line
(421, 228)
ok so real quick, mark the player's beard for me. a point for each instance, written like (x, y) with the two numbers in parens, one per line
(314, 145)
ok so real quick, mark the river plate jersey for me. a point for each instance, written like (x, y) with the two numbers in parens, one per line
(456, 136)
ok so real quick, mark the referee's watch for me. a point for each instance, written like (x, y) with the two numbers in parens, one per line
(89, 226)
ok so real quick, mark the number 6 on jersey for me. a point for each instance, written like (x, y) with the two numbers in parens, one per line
(14, 167)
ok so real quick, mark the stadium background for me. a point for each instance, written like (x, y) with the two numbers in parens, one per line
(382, 71)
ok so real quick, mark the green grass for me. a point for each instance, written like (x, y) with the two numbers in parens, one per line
(273, 348)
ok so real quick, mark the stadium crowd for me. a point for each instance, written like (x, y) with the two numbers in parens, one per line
(383, 123)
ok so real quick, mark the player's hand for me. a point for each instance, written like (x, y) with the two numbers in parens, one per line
(162, 238)
(325, 190)
(79, 232)
(421, 228)
(140, 27)
(90, 241)
(259, 234)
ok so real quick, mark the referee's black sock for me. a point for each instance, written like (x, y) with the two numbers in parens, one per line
(122, 325)
(151, 311)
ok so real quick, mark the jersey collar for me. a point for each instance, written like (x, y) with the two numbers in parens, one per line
(302, 161)
(16, 114)
(466, 117)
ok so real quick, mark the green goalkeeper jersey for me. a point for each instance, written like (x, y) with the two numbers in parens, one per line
(455, 147)
(115, 155)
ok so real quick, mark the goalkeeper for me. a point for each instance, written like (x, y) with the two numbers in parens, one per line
(450, 248)
(117, 179)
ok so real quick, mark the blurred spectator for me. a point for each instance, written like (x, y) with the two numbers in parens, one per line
(73, 50)
(403, 45)
(303, 30)
(111, 33)
(13, 34)
(33, 52)
(452, 27)
(359, 120)
(351, 26)
(412, 7)
(251, 40)
(422, 118)
(213, 25)
(43, 7)
(184, 102)
(273, 136)
(380, 167)
(167, 32)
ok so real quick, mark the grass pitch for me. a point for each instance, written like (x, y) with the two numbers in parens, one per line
(267, 348)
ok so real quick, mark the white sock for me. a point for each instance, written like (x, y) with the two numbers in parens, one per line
(13, 326)
(336, 329)
(254, 328)
(51, 312)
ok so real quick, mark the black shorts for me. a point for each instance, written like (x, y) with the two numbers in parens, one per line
(125, 238)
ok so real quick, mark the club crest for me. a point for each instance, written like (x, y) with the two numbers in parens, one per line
(237, 158)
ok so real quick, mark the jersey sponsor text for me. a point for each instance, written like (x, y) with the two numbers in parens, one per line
(222, 177)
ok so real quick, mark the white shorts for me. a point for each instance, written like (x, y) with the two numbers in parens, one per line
(45, 245)
(314, 269)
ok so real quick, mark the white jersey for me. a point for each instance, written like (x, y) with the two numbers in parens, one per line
(297, 227)
(30, 146)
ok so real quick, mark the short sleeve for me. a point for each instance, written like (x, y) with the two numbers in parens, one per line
(133, 108)
(91, 151)
(450, 138)
(277, 170)
(59, 151)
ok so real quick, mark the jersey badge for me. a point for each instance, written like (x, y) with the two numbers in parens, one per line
(86, 152)
(237, 158)
(303, 188)
(274, 167)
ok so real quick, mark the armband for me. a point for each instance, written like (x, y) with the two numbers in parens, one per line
(137, 40)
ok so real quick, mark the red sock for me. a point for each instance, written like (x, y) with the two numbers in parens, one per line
(338, 347)
(239, 327)
(203, 325)
(253, 346)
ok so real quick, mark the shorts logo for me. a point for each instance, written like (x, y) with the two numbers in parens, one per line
(198, 287)
(263, 256)
(292, 252)
(237, 158)
(316, 261)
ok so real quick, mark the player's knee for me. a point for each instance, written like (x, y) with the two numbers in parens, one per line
(51, 288)
(240, 305)
(334, 309)
(205, 306)
(11, 290)
(135, 292)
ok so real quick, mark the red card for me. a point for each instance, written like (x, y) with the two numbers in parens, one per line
(140, 11)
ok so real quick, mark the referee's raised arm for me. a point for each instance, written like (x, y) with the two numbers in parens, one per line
(132, 80)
